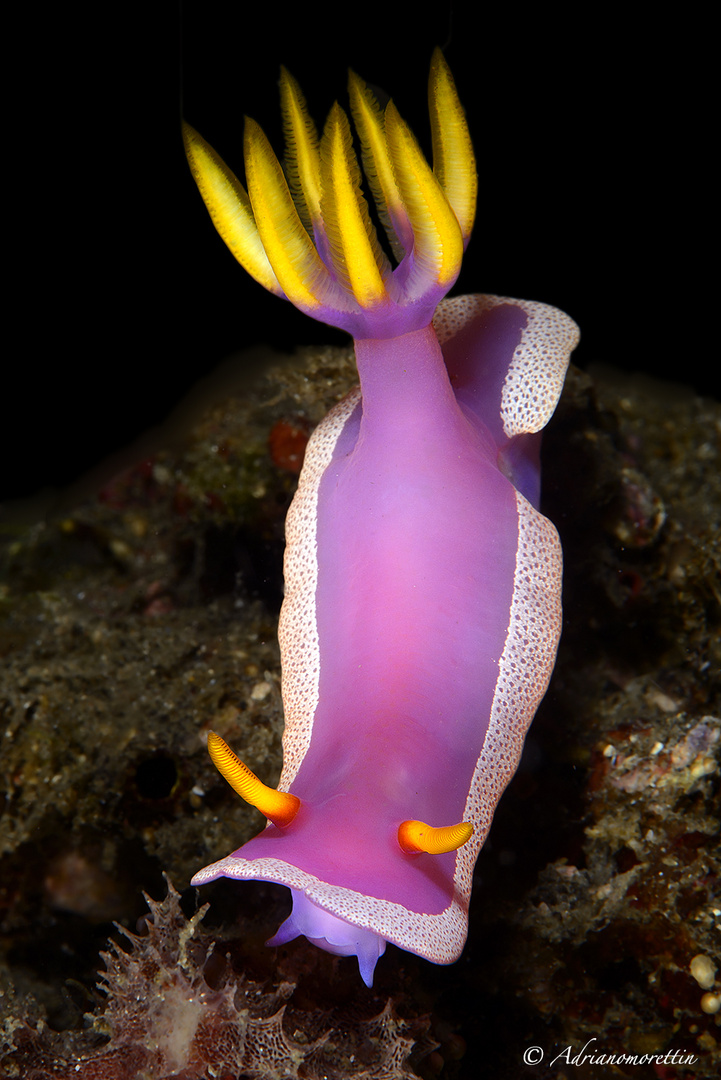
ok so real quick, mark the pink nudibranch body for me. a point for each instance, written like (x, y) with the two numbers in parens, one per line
(423, 586)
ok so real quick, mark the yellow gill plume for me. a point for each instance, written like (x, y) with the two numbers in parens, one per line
(454, 163)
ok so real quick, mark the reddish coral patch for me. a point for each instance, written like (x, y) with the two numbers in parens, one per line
(287, 442)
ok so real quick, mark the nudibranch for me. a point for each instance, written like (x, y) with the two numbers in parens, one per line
(422, 604)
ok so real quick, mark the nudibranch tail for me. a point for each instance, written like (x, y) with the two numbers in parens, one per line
(415, 837)
(280, 807)
(307, 234)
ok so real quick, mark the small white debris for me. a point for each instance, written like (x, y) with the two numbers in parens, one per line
(260, 691)
(703, 970)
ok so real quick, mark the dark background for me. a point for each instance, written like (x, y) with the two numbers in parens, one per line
(592, 163)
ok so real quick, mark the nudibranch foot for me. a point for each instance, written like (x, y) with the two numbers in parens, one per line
(328, 932)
